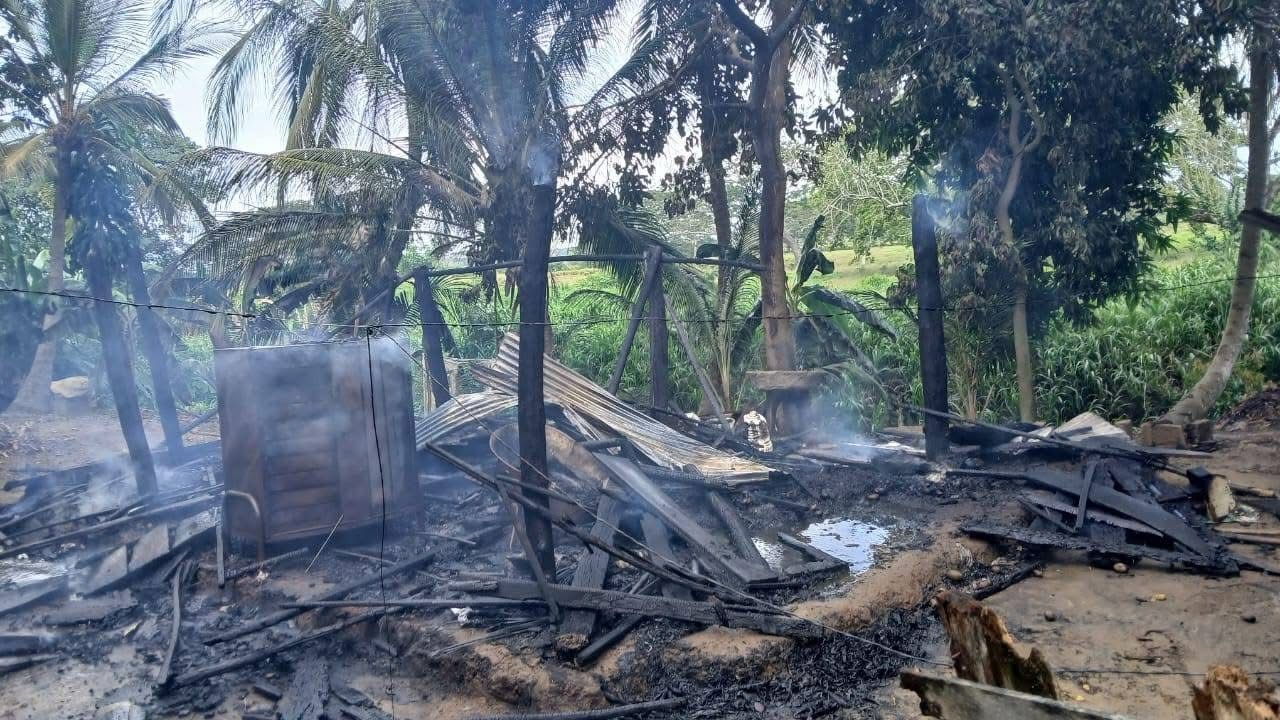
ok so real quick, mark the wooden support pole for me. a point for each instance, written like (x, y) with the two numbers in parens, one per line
(437, 379)
(157, 358)
(933, 351)
(531, 413)
(652, 267)
(115, 355)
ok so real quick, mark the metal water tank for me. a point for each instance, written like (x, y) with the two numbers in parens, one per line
(314, 434)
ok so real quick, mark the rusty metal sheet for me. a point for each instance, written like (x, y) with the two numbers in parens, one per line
(664, 446)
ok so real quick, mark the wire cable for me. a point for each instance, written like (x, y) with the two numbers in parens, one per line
(382, 494)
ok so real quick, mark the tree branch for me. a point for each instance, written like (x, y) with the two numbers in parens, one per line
(745, 24)
(780, 31)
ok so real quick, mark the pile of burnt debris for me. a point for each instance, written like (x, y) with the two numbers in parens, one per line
(1120, 505)
(210, 578)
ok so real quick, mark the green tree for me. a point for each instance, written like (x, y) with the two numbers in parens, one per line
(83, 67)
(866, 200)
(1008, 107)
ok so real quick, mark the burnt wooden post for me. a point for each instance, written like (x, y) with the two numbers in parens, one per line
(532, 414)
(119, 372)
(659, 356)
(933, 351)
(157, 358)
(652, 266)
(437, 379)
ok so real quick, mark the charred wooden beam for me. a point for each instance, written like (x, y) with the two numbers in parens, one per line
(737, 529)
(257, 656)
(657, 537)
(703, 613)
(593, 567)
(704, 544)
(1148, 513)
(1067, 541)
(933, 349)
(616, 711)
(279, 617)
(954, 699)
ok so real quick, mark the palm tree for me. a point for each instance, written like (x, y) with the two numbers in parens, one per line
(73, 60)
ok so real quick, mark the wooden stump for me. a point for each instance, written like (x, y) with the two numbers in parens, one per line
(983, 650)
(1229, 694)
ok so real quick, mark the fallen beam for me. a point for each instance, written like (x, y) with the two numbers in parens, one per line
(1066, 541)
(593, 566)
(616, 711)
(335, 594)
(1147, 513)
(22, 662)
(737, 529)
(703, 613)
(261, 654)
(954, 699)
(707, 547)
(109, 525)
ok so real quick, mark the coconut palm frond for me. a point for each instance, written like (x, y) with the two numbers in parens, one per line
(842, 303)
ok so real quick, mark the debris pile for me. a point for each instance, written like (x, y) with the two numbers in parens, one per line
(654, 526)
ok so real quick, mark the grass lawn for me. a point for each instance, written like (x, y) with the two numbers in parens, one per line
(855, 273)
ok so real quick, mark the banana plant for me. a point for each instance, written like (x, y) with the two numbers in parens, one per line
(826, 319)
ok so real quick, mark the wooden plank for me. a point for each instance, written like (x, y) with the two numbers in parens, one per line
(1144, 512)
(304, 497)
(593, 567)
(1076, 542)
(808, 549)
(933, 350)
(334, 594)
(706, 546)
(737, 529)
(308, 691)
(982, 649)
(624, 603)
(151, 548)
(657, 537)
(1089, 472)
(954, 699)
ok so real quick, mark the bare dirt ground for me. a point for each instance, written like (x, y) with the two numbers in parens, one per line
(1124, 628)
(39, 443)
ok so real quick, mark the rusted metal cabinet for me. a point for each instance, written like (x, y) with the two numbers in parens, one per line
(314, 433)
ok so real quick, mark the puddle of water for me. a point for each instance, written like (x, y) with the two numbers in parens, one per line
(853, 541)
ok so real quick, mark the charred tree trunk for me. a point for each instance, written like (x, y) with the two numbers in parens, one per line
(115, 355)
(1201, 398)
(933, 350)
(157, 358)
(532, 414)
(33, 394)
